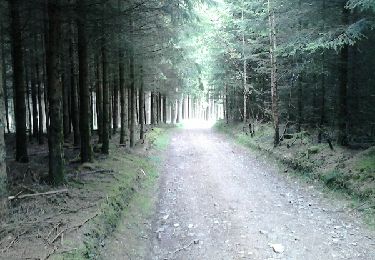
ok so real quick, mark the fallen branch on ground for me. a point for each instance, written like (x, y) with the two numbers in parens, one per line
(37, 194)
(12, 242)
(72, 228)
(184, 247)
(94, 172)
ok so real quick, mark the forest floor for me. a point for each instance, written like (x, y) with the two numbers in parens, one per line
(220, 200)
(74, 222)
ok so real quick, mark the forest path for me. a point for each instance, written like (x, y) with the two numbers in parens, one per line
(219, 200)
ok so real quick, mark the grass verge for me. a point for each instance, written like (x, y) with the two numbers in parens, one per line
(133, 173)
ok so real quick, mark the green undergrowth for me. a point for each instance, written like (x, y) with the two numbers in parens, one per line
(348, 172)
(133, 173)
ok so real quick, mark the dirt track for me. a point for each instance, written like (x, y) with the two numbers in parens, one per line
(221, 201)
(218, 200)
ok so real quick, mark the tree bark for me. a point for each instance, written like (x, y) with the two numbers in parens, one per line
(99, 99)
(343, 88)
(110, 116)
(28, 90)
(141, 108)
(84, 89)
(299, 103)
(274, 85)
(123, 100)
(3, 80)
(55, 133)
(153, 120)
(18, 83)
(322, 101)
(34, 99)
(178, 116)
(245, 89)
(3, 174)
(188, 107)
(165, 109)
(45, 94)
(183, 110)
(74, 91)
(40, 107)
(173, 112)
(45, 49)
(106, 97)
(66, 96)
(115, 104)
(133, 104)
(300, 78)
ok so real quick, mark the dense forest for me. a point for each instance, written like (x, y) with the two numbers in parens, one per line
(78, 77)
(72, 70)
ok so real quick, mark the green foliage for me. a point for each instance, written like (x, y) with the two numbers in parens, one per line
(363, 4)
(367, 162)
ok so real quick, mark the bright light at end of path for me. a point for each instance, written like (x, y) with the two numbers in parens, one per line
(198, 124)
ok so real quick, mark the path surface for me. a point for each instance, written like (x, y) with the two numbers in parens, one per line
(221, 201)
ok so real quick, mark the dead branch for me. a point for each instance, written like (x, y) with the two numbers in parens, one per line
(94, 172)
(26, 188)
(37, 194)
(13, 241)
(72, 228)
(184, 247)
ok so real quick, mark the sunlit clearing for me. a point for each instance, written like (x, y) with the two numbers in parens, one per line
(198, 124)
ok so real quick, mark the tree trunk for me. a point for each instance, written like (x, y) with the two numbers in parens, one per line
(141, 109)
(110, 116)
(45, 94)
(165, 109)
(129, 102)
(115, 104)
(40, 100)
(178, 110)
(66, 94)
(3, 76)
(322, 101)
(183, 108)
(123, 100)
(34, 99)
(29, 120)
(74, 91)
(106, 105)
(299, 103)
(34, 90)
(245, 89)
(300, 78)
(153, 121)
(18, 83)
(3, 174)
(99, 99)
(132, 102)
(274, 86)
(189, 107)
(91, 110)
(84, 89)
(343, 90)
(45, 49)
(55, 133)
(173, 112)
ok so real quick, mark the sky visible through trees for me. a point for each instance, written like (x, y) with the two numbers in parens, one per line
(71, 67)
(82, 73)
(80, 79)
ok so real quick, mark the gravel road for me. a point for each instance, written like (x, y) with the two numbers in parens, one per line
(219, 200)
